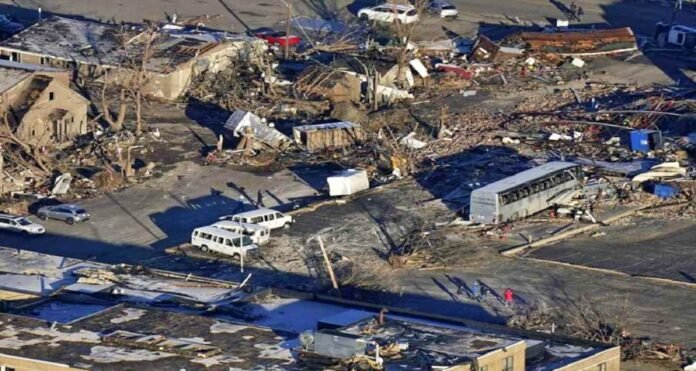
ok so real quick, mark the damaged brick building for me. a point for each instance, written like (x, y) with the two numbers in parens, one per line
(40, 106)
(90, 49)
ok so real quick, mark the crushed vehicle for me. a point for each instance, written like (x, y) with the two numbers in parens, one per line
(14, 223)
(523, 194)
(278, 38)
(675, 35)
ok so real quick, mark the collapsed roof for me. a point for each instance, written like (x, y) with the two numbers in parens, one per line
(96, 43)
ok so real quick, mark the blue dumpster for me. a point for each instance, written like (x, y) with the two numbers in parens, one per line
(663, 190)
(645, 140)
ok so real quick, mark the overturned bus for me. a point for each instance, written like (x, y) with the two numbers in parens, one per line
(523, 194)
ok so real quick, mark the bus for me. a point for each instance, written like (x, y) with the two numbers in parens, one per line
(523, 194)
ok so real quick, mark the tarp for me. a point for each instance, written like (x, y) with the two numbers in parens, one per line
(240, 120)
(348, 182)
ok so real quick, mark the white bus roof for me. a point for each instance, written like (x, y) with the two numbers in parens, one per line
(525, 176)
(218, 232)
(247, 226)
(257, 212)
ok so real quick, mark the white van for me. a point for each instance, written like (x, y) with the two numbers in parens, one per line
(258, 233)
(265, 217)
(222, 241)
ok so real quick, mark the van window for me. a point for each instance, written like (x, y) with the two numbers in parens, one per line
(270, 217)
(228, 242)
(278, 215)
(195, 233)
(205, 236)
(257, 220)
(237, 219)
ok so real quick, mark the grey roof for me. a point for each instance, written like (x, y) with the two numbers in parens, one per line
(328, 126)
(525, 176)
(68, 39)
(9, 77)
(27, 67)
(99, 43)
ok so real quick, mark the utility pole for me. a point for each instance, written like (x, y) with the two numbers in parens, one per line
(328, 263)
(287, 31)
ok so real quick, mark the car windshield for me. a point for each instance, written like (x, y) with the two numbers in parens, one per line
(412, 12)
(23, 221)
(81, 211)
(449, 7)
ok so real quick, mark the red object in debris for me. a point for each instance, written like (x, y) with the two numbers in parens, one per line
(508, 295)
(459, 71)
(278, 38)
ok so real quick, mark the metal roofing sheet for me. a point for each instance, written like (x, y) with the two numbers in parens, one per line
(525, 176)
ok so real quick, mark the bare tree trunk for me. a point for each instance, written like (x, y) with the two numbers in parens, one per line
(33, 152)
(115, 123)
(138, 112)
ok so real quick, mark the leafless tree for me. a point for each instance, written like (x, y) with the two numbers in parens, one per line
(22, 153)
(130, 78)
(405, 32)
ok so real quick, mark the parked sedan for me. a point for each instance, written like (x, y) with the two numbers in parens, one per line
(68, 213)
(443, 8)
(278, 38)
(20, 224)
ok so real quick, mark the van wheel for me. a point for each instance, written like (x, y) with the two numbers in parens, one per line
(287, 225)
(237, 257)
(204, 248)
(364, 17)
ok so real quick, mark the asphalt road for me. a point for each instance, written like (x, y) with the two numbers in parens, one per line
(238, 15)
(140, 222)
(644, 247)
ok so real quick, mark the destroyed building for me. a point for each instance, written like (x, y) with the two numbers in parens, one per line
(333, 135)
(41, 107)
(414, 344)
(68, 314)
(581, 42)
(91, 49)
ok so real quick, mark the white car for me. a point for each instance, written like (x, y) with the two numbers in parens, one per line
(443, 8)
(20, 224)
(390, 13)
(266, 217)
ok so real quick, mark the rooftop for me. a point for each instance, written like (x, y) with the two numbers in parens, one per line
(9, 77)
(118, 317)
(133, 338)
(525, 176)
(444, 346)
(101, 44)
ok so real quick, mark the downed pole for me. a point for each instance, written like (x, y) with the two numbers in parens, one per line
(570, 233)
